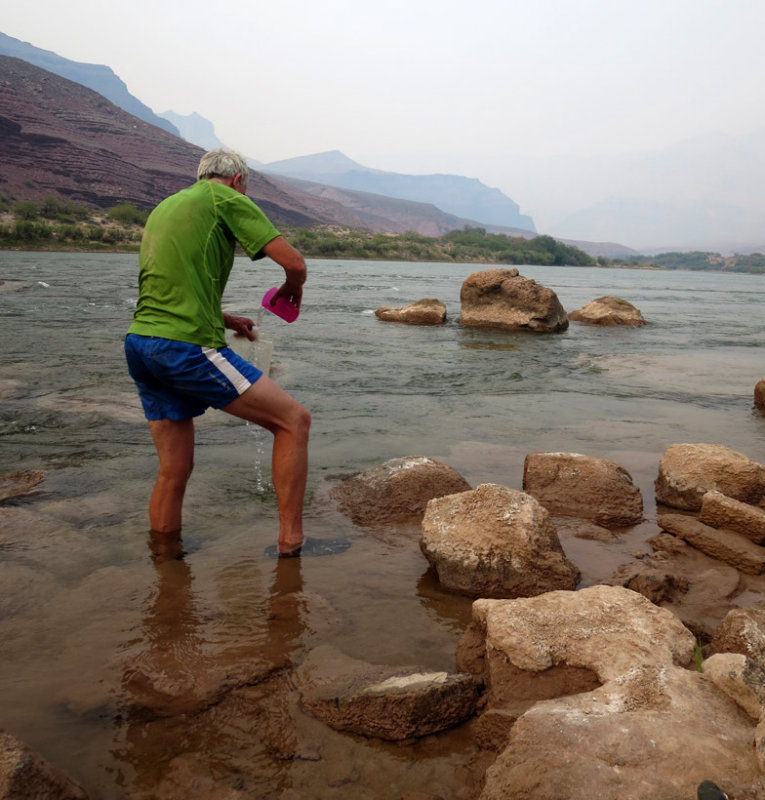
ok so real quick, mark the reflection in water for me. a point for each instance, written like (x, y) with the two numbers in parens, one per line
(193, 707)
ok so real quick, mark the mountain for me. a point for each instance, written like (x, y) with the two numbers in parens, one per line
(60, 138)
(467, 198)
(95, 76)
(194, 128)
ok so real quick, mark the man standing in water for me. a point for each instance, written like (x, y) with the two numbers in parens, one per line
(176, 347)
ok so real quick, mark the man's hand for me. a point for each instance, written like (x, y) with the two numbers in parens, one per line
(242, 326)
(293, 264)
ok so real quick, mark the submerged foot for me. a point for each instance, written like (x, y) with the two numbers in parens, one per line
(311, 547)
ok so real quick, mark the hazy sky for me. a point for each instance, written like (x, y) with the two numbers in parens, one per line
(427, 85)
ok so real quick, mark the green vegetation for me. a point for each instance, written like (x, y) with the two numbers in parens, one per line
(696, 260)
(470, 245)
(55, 224)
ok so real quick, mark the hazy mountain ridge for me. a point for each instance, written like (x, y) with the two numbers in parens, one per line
(194, 128)
(97, 77)
(467, 198)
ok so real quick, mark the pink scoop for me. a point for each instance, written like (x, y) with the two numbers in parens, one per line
(282, 308)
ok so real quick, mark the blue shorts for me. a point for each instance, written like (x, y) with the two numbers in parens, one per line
(177, 380)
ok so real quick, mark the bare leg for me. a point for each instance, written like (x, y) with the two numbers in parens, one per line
(268, 405)
(174, 441)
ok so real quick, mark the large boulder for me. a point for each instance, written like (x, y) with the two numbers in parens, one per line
(396, 491)
(383, 702)
(598, 700)
(570, 484)
(517, 646)
(26, 775)
(495, 542)
(688, 471)
(501, 298)
(657, 731)
(428, 311)
(607, 311)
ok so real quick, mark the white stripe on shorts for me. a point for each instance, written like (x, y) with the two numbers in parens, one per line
(239, 382)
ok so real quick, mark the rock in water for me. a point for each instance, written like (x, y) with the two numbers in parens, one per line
(501, 298)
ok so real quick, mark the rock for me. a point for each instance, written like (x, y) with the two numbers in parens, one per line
(494, 542)
(739, 678)
(396, 491)
(20, 483)
(608, 311)
(501, 298)
(562, 642)
(26, 775)
(428, 311)
(759, 395)
(391, 703)
(742, 630)
(688, 471)
(681, 579)
(719, 511)
(583, 486)
(722, 545)
(655, 732)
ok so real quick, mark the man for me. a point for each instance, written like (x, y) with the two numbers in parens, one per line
(176, 347)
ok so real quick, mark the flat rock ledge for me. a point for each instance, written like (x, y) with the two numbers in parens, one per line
(571, 484)
(501, 298)
(396, 491)
(723, 545)
(494, 541)
(593, 694)
(688, 471)
(608, 311)
(382, 702)
(26, 775)
(428, 311)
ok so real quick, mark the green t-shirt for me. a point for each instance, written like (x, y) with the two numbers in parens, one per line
(186, 256)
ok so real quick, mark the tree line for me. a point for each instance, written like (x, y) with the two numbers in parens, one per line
(53, 224)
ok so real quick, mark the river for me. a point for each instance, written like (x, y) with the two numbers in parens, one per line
(85, 610)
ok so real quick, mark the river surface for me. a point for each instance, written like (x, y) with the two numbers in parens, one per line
(86, 609)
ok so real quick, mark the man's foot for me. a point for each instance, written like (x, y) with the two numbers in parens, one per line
(311, 547)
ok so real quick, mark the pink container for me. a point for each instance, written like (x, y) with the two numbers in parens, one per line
(283, 308)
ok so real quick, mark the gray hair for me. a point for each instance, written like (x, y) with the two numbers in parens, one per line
(222, 164)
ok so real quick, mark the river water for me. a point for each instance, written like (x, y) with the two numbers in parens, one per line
(85, 609)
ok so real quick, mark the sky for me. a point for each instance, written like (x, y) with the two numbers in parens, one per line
(423, 86)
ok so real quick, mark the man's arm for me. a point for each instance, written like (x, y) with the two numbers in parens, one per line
(293, 264)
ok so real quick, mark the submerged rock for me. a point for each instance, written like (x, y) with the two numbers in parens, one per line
(396, 491)
(688, 471)
(759, 395)
(26, 775)
(608, 311)
(501, 298)
(583, 486)
(495, 542)
(19, 483)
(428, 311)
(382, 702)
